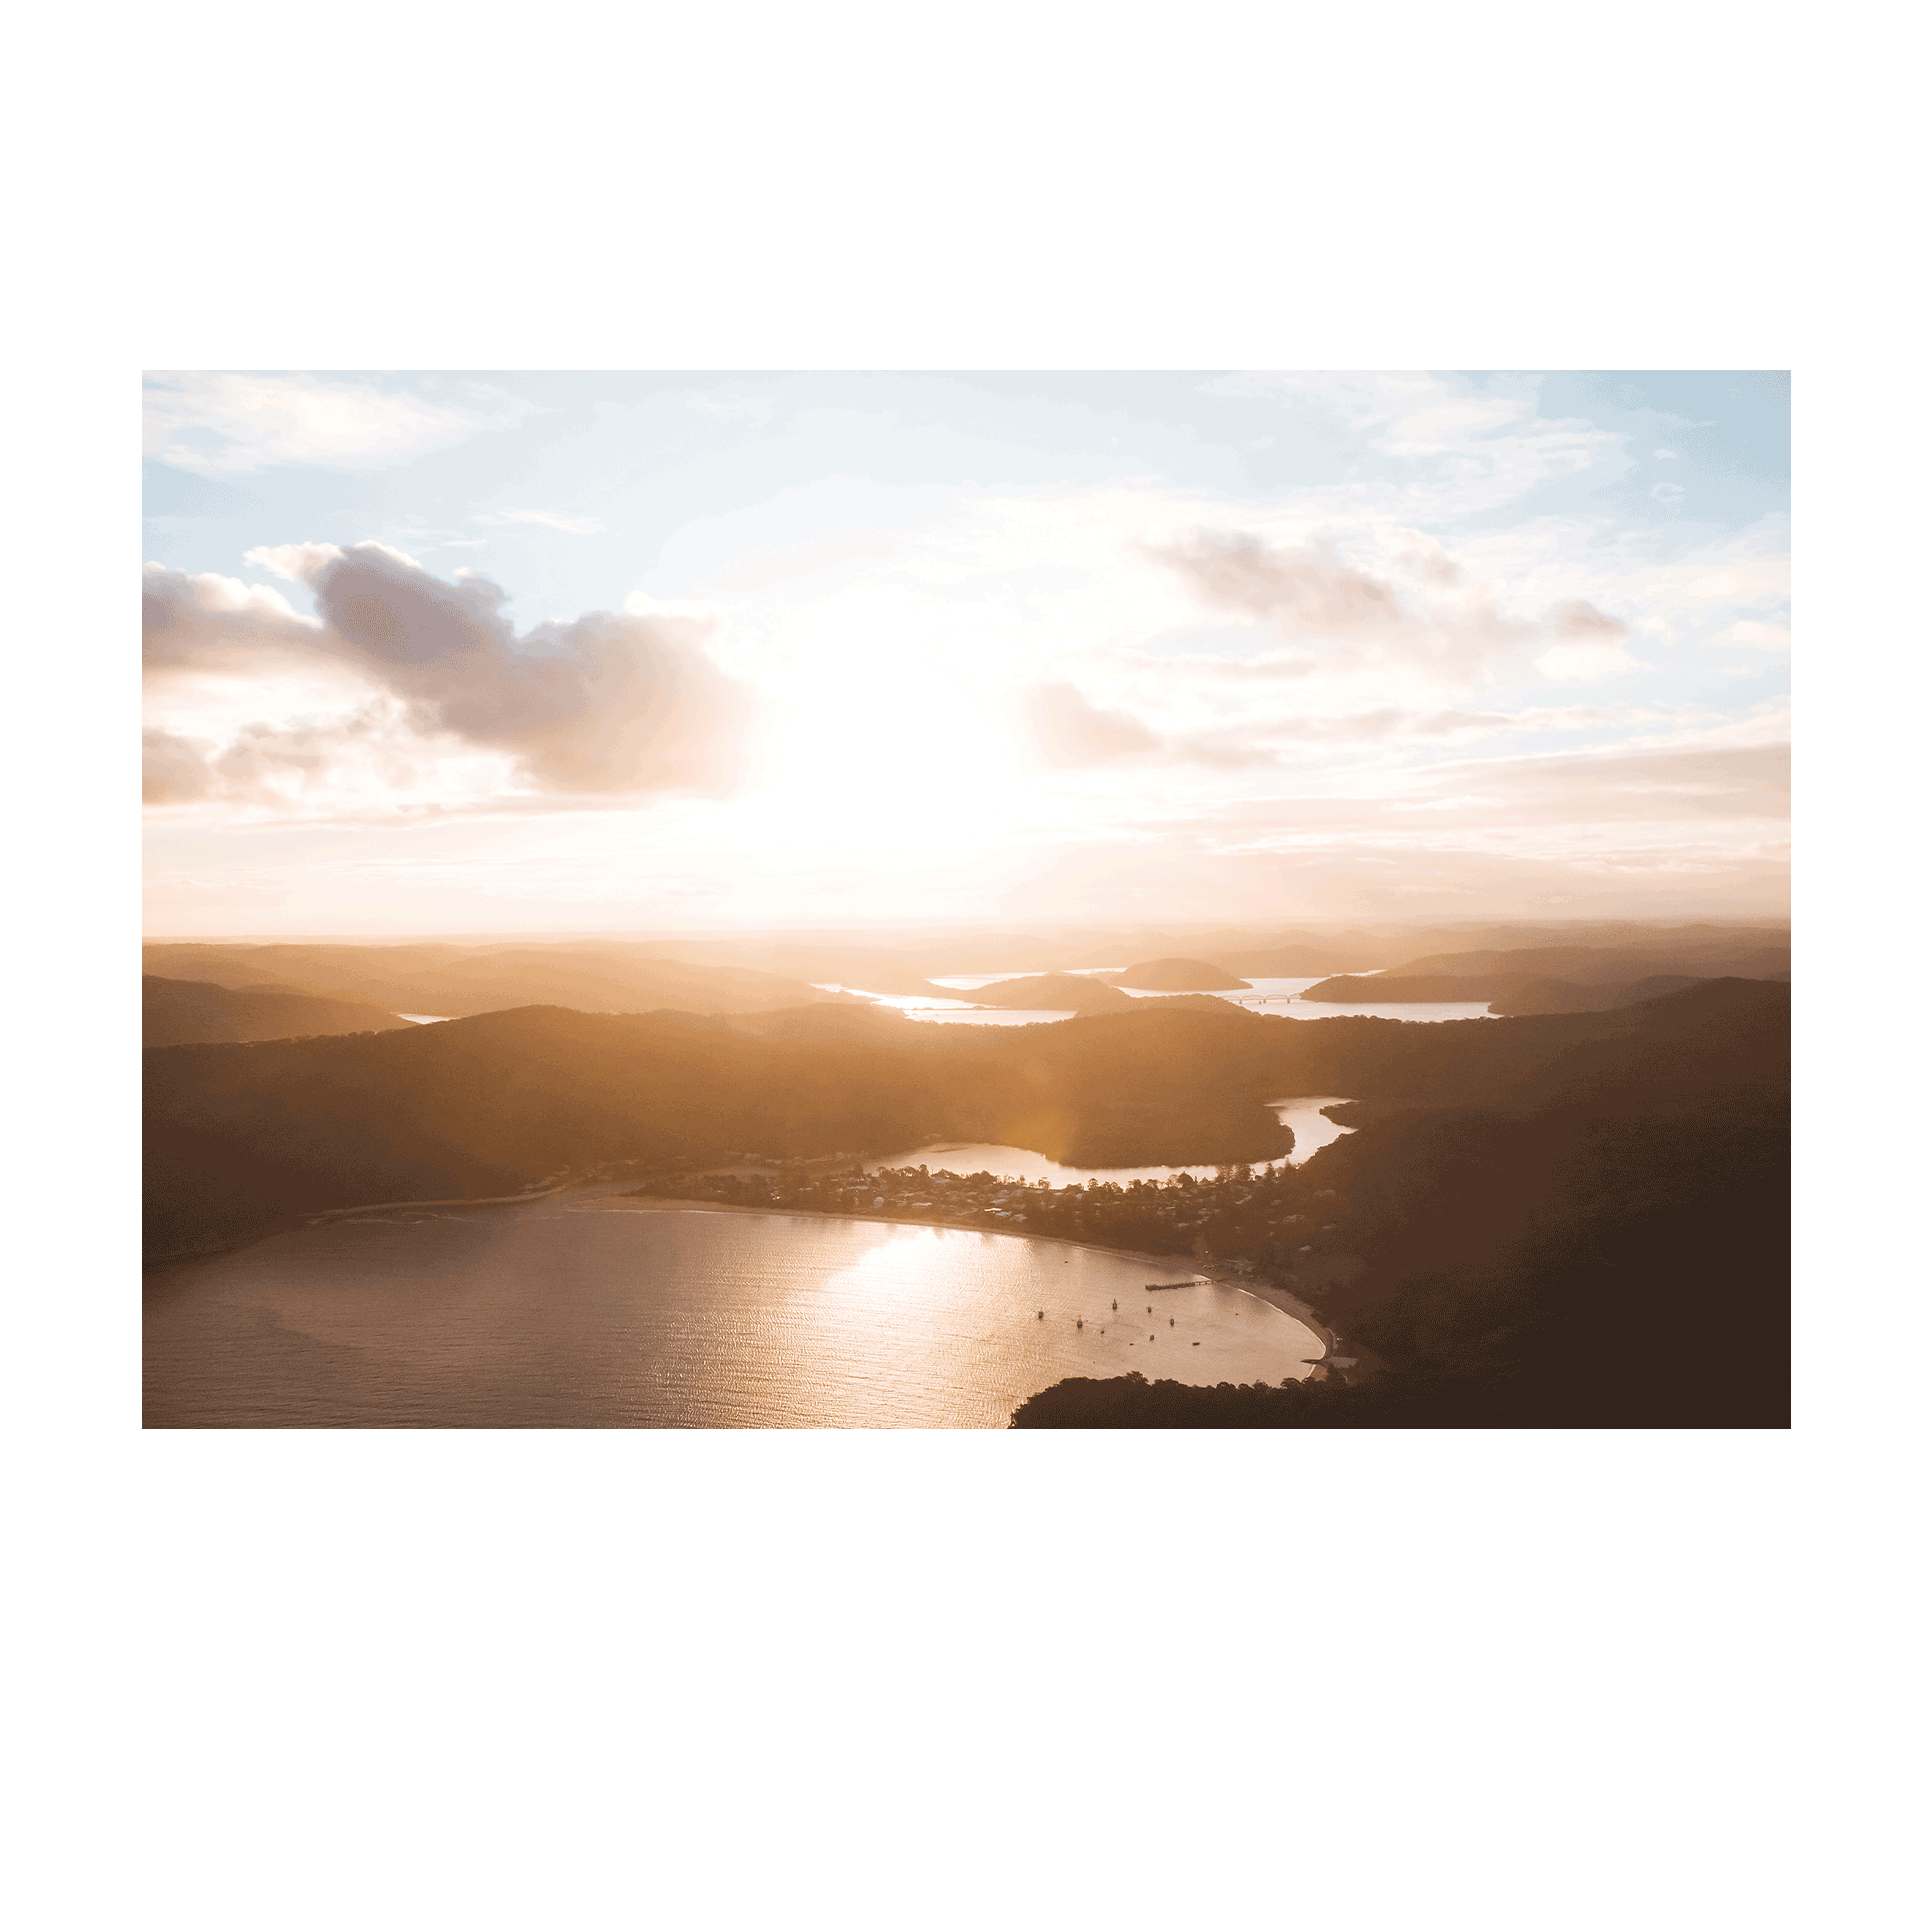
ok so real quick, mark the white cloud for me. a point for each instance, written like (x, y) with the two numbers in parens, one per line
(224, 424)
(1588, 644)
(1487, 446)
(1665, 453)
(538, 517)
(1772, 636)
(744, 407)
(1668, 494)
(1585, 660)
(1434, 621)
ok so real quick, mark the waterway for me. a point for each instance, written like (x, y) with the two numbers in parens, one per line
(1311, 1131)
(1264, 996)
(576, 1310)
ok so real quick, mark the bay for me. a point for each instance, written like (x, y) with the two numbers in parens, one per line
(583, 1310)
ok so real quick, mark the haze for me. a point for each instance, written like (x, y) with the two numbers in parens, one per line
(522, 654)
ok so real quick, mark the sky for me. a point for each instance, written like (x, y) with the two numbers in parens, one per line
(475, 653)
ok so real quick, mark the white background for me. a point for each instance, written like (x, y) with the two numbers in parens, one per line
(1378, 1673)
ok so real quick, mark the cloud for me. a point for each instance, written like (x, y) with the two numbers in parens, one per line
(1665, 453)
(223, 424)
(1307, 592)
(174, 769)
(1668, 494)
(1599, 786)
(1419, 725)
(207, 623)
(1353, 619)
(1773, 636)
(536, 517)
(1064, 729)
(608, 703)
(1490, 441)
(1588, 644)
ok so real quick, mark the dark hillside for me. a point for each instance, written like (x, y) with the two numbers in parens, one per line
(1578, 1220)
(1573, 996)
(488, 1104)
(181, 1012)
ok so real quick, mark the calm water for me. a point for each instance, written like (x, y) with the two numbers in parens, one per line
(1311, 1131)
(1263, 996)
(576, 1311)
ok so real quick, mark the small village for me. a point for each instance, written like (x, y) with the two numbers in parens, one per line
(1270, 1224)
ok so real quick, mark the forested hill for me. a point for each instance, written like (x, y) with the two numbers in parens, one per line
(243, 1137)
(180, 1012)
(1595, 1235)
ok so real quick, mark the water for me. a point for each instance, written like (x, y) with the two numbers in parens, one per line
(952, 1012)
(581, 1311)
(1259, 995)
(1311, 1131)
(1335, 1010)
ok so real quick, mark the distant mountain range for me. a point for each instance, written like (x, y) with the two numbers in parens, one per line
(184, 1012)
(763, 973)
(1562, 979)
(451, 981)
(1179, 976)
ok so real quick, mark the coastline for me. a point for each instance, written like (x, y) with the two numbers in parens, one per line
(1363, 1362)
(1287, 1303)
(161, 1262)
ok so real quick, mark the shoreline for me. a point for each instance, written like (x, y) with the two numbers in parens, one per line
(1289, 1304)
(1278, 1297)
(161, 1262)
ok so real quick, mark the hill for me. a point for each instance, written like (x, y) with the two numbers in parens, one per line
(244, 1135)
(1587, 1226)
(177, 1012)
(1711, 953)
(240, 1138)
(452, 981)
(1179, 976)
(1289, 963)
(1177, 1003)
(1049, 992)
(1573, 996)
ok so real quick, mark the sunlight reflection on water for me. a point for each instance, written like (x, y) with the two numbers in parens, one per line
(575, 1311)
(1260, 996)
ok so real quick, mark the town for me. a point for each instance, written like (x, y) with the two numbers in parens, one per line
(1241, 1221)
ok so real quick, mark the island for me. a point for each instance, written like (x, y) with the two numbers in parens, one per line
(1179, 976)
(1051, 992)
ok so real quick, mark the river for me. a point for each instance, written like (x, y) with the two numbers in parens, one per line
(577, 1310)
